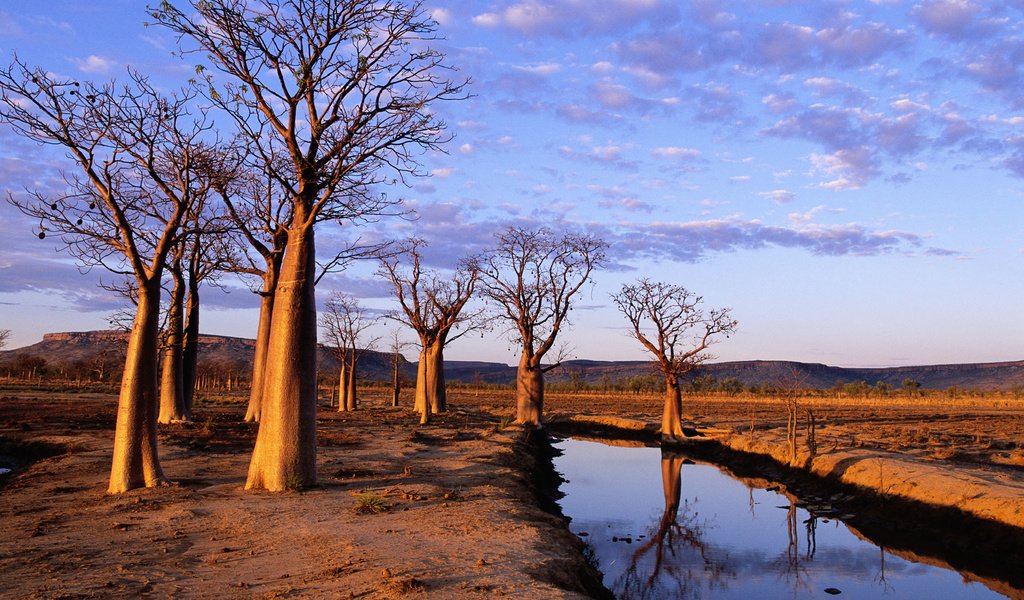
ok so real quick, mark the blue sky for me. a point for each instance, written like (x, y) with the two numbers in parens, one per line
(847, 176)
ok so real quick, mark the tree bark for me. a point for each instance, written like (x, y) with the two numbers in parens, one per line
(285, 452)
(135, 462)
(529, 393)
(190, 348)
(172, 399)
(421, 382)
(351, 397)
(430, 383)
(672, 413)
(343, 385)
(259, 363)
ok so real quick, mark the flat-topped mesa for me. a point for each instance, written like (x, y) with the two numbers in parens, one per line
(70, 336)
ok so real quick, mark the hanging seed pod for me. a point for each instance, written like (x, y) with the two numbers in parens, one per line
(79, 222)
(53, 206)
(92, 205)
(42, 234)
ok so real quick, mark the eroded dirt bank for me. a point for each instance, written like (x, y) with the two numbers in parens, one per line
(462, 518)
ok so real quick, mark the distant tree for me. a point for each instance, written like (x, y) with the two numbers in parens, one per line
(335, 99)
(124, 207)
(345, 323)
(5, 334)
(911, 387)
(397, 345)
(531, 279)
(432, 304)
(670, 322)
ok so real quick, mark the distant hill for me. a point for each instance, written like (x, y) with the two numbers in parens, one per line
(87, 349)
(105, 350)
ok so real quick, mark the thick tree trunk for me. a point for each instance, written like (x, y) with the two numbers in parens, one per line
(351, 395)
(172, 399)
(285, 452)
(190, 348)
(259, 363)
(135, 462)
(529, 393)
(430, 384)
(343, 385)
(421, 382)
(672, 412)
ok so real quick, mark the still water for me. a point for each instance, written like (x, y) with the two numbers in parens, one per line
(660, 526)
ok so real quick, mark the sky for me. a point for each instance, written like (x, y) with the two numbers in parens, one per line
(845, 176)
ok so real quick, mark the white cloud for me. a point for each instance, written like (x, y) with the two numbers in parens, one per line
(443, 16)
(442, 172)
(675, 152)
(487, 20)
(778, 196)
(543, 69)
(93, 64)
(466, 148)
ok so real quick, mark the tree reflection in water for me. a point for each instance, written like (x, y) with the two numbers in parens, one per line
(675, 561)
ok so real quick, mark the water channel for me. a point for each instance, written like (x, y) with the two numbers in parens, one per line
(662, 526)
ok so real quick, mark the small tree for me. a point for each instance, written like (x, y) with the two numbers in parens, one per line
(396, 362)
(5, 334)
(531, 279)
(345, 323)
(670, 322)
(432, 305)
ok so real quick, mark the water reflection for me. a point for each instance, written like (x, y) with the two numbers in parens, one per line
(685, 530)
(682, 538)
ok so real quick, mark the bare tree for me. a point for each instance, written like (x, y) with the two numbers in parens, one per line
(343, 91)
(531, 279)
(396, 362)
(432, 305)
(5, 334)
(670, 322)
(172, 396)
(210, 251)
(345, 324)
(123, 209)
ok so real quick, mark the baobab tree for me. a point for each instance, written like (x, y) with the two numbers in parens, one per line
(261, 214)
(343, 91)
(432, 304)
(396, 363)
(671, 323)
(210, 252)
(345, 324)
(531, 279)
(172, 395)
(123, 209)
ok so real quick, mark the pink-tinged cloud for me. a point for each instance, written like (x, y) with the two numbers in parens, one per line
(847, 169)
(946, 17)
(694, 240)
(568, 18)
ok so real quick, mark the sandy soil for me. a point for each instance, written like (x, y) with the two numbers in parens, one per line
(461, 517)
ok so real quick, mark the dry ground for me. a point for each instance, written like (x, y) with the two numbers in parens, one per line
(461, 519)
(968, 432)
